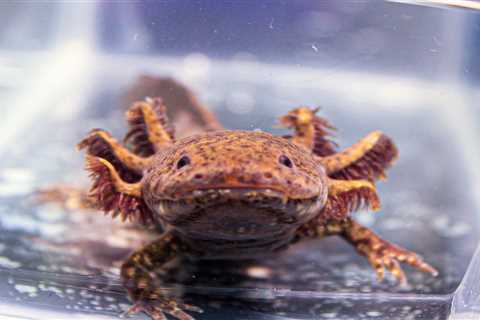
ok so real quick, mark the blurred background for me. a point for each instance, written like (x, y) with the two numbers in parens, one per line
(408, 68)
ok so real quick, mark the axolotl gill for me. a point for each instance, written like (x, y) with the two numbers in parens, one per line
(236, 194)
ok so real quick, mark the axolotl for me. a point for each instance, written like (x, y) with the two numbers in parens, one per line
(235, 194)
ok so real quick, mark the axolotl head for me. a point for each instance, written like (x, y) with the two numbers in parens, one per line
(234, 185)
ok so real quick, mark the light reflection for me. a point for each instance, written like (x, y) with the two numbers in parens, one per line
(63, 71)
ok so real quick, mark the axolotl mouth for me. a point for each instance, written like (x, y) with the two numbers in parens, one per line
(236, 213)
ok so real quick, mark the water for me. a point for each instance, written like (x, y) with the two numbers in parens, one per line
(59, 264)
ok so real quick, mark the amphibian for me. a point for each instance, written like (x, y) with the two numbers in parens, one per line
(235, 194)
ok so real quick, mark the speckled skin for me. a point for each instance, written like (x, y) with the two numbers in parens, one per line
(236, 194)
(235, 159)
(228, 170)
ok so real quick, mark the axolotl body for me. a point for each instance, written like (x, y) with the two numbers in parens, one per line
(236, 194)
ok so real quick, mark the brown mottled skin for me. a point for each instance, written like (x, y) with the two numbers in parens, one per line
(236, 194)
(234, 189)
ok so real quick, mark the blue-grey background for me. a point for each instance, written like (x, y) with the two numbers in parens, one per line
(372, 35)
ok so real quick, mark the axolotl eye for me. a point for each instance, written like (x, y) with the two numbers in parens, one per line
(284, 160)
(183, 161)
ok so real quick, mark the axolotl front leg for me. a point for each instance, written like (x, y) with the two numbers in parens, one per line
(344, 196)
(117, 191)
(141, 274)
(352, 175)
(381, 254)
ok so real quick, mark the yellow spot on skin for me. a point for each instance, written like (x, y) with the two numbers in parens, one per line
(259, 272)
(147, 260)
(142, 283)
(130, 272)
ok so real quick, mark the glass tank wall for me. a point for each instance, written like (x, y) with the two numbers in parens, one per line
(408, 69)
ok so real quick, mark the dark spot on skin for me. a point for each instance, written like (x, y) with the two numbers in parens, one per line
(268, 175)
(241, 179)
(297, 186)
(257, 177)
(198, 176)
(284, 160)
(220, 179)
(184, 161)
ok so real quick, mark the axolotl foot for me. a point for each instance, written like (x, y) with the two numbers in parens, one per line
(389, 256)
(158, 308)
(382, 254)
